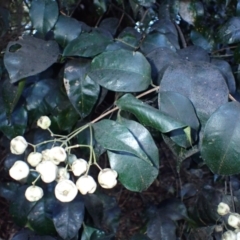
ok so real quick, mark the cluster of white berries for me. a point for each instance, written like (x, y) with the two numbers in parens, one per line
(49, 164)
(233, 220)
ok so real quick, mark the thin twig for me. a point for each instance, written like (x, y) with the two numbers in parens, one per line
(144, 15)
(231, 97)
(78, 3)
(184, 44)
(222, 49)
(231, 192)
(121, 10)
(116, 108)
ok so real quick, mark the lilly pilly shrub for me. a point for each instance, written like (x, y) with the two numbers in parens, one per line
(53, 165)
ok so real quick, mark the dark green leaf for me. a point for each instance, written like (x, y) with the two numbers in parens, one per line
(148, 115)
(226, 70)
(128, 39)
(199, 40)
(36, 92)
(43, 14)
(64, 116)
(202, 83)
(68, 217)
(11, 94)
(160, 59)
(173, 208)
(110, 25)
(178, 107)
(116, 137)
(220, 145)
(21, 207)
(155, 40)
(194, 54)
(8, 190)
(16, 125)
(88, 44)
(121, 71)
(181, 109)
(40, 218)
(81, 90)
(87, 232)
(230, 32)
(134, 173)
(145, 3)
(34, 56)
(161, 227)
(4, 20)
(204, 211)
(66, 30)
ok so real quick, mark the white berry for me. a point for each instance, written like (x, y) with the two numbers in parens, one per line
(234, 220)
(62, 174)
(107, 178)
(18, 145)
(79, 167)
(229, 235)
(48, 171)
(223, 209)
(44, 122)
(58, 154)
(86, 184)
(66, 191)
(34, 158)
(19, 170)
(33, 193)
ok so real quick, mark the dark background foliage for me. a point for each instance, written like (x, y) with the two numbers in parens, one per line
(177, 155)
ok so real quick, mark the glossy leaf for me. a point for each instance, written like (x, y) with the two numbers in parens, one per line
(161, 227)
(134, 173)
(128, 39)
(8, 190)
(180, 108)
(66, 30)
(199, 40)
(64, 116)
(202, 83)
(16, 125)
(40, 218)
(226, 70)
(43, 14)
(109, 24)
(220, 145)
(160, 59)
(4, 22)
(155, 40)
(21, 207)
(121, 71)
(173, 208)
(194, 54)
(148, 115)
(33, 56)
(116, 137)
(82, 91)
(88, 44)
(87, 232)
(145, 3)
(229, 32)
(11, 94)
(68, 217)
(204, 211)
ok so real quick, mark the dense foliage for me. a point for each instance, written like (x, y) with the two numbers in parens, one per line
(115, 79)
